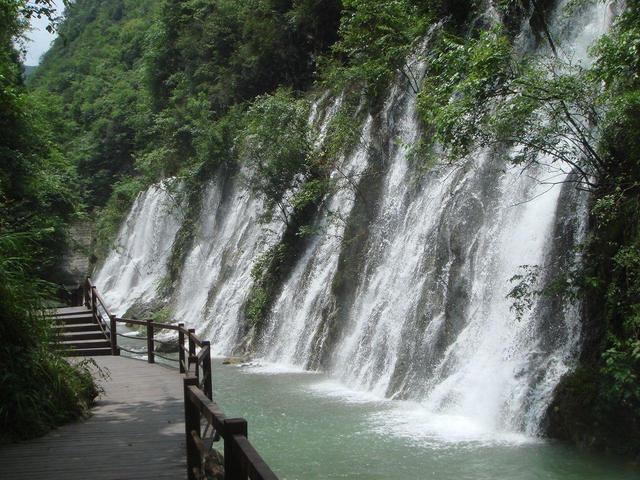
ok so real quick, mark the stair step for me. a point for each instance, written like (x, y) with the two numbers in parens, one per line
(80, 327)
(86, 352)
(73, 336)
(79, 344)
(74, 320)
(69, 311)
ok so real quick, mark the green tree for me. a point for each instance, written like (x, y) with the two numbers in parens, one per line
(276, 143)
(38, 389)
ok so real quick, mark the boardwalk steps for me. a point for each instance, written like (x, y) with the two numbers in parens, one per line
(89, 329)
(78, 334)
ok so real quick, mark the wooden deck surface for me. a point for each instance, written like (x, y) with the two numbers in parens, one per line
(136, 432)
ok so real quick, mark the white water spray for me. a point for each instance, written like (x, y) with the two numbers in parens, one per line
(137, 264)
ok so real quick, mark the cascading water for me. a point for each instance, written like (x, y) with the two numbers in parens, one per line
(425, 316)
(137, 264)
(296, 317)
(216, 275)
(430, 319)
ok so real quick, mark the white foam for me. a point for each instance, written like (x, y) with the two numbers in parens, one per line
(335, 389)
(412, 421)
(270, 368)
(135, 267)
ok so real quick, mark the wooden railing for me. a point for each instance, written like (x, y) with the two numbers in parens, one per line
(94, 301)
(241, 460)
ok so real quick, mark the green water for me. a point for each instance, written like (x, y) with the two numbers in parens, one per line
(308, 427)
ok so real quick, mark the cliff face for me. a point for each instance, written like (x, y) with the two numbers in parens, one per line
(77, 262)
(394, 278)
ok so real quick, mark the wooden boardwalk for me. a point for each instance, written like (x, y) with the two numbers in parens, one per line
(136, 432)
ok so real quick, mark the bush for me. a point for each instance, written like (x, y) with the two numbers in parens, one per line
(38, 389)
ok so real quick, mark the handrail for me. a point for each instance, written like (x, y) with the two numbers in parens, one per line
(91, 299)
(160, 326)
(101, 300)
(241, 460)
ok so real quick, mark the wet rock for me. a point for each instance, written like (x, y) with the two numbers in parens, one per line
(167, 345)
(145, 310)
(235, 360)
(214, 465)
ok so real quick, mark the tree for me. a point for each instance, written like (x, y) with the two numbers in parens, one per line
(38, 389)
(480, 93)
(276, 143)
(375, 39)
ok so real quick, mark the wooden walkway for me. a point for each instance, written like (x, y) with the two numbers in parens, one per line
(136, 432)
(149, 422)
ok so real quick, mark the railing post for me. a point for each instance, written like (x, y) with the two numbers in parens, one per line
(76, 296)
(86, 293)
(191, 423)
(94, 304)
(192, 343)
(206, 370)
(233, 468)
(192, 349)
(114, 335)
(150, 354)
(193, 360)
(181, 345)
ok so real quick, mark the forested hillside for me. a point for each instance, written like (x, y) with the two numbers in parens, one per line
(38, 198)
(136, 91)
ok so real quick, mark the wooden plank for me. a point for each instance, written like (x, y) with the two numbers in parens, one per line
(82, 335)
(79, 344)
(88, 352)
(67, 311)
(78, 319)
(136, 432)
(80, 327)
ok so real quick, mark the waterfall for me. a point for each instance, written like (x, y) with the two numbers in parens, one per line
(231, 237)
(295, 319)
(136, 265)
(216, 275)
(403, 290)
(430, 319)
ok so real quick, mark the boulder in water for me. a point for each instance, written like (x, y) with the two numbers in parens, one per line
(234, 360)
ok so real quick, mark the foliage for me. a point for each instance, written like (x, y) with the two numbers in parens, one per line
(96, 66)
(375, 40)
(524, 291)
(263, 273)
(276, 143)
(480, 93)
(38, 389)
(113, 213)
(345, 127)
(612, 265)
(163, 315)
